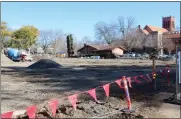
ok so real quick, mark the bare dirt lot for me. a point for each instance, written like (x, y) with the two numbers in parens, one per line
(22, 87)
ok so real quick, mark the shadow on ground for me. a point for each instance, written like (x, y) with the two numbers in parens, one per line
(66, 79)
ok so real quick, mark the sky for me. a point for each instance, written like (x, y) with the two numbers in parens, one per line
(79, 18)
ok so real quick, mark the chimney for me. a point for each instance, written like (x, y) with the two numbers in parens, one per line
(84, 45)
(139, 26)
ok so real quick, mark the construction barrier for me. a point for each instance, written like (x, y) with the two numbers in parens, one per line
(127, 93)
(53, 103)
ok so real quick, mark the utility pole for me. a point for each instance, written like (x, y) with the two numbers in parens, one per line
(154, 80)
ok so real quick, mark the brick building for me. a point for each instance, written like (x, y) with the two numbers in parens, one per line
(161, 34)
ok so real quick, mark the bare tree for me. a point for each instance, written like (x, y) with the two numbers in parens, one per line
(119, 30)
(86, 40)
(134, 39)
(169, 45)
(59, 44)
(125, 26)
(128, 43)
(106, 32)
(47, 38)
(151, 42)
(130, 36)
(98, 42)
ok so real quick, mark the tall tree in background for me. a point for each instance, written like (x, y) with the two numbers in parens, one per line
(128, 33)
(169, 45)
(4, 33)
(70, 50)
(125, 26)
(106, 32)
(48, 38)
(150, 43)
(121, 30)
(86, 40)
(25, 36)
(134, 40)
(59, 44)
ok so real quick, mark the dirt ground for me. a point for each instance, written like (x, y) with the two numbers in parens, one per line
(22, 87)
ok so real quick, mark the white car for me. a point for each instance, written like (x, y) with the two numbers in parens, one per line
(162, 56)
(28, 58)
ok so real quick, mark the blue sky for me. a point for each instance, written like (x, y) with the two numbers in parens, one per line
(79, 18)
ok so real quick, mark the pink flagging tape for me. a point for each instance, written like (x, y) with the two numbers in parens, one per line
(106, 89)
(161, 72)
(53, 106)
(92, 92)
(129, 81)
(7, 115)
(149, 77)
(144, 78)
(73, 100)
(31, 112)
(136, 80)
(119, 83)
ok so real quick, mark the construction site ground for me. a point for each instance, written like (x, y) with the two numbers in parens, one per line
(22, 87)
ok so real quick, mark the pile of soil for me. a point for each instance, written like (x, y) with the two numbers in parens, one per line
(109, 108)
(45, 63)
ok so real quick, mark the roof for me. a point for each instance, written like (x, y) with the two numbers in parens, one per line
(154, 28)
(103, 47)
(145, 31)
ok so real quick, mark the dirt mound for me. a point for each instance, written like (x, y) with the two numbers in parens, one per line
(44, 63)
(109, 108)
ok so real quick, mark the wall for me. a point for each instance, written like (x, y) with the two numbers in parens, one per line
(117, 51)
(157, 41)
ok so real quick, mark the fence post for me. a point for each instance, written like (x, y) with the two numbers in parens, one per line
(154, 75)
(129, 109)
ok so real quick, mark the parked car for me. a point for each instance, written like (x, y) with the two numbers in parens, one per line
(138, 55)
(130, 54)
(95, 57)
(145, 56)
(162, 56)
